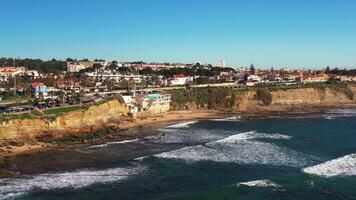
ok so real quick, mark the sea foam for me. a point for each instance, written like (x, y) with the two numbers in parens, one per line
(241, 148)
(112, 143)
(182, 125)
(228, 119)
(259, 183)
(15, 186)
(344, 166)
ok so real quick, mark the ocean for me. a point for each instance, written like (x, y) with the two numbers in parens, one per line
(305, 157)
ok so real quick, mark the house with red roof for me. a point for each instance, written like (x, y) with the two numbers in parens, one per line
(38, 88)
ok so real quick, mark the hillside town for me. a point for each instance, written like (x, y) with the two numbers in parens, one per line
(143, 86)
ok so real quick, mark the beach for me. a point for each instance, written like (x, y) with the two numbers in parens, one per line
(131, 129)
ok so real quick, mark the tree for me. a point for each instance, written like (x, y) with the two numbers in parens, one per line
(41, 97)
(252, 69)
(327, 70)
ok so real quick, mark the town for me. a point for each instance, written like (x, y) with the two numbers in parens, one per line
(28, 85)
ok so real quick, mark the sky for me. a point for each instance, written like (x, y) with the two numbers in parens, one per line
(278, 33)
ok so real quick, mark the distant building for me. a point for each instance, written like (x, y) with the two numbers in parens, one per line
(11, 71)
(179, 80)
(320, 78)
(252, 80)
(77, 66)
(39, 88)
(68, 84)
(222, 64)
(155, 103)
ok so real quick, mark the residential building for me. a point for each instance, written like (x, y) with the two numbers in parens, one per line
(39, 88)
(154, 103)
(320, 78)
(179, 80)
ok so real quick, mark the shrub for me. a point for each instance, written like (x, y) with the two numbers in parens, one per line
(264, 96)
(349, 94)
(37, 113)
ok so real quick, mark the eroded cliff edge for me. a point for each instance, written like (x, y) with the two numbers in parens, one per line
(113, 112)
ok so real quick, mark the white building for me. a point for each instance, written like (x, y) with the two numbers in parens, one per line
(221, 64)
(180, 79)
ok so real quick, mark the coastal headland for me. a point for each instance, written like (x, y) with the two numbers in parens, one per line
(18, 136)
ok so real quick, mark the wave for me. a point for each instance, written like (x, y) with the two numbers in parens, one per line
(339, 113)
(112, 143)
(183, 136)
(240, 148)
(229, 119)
(11, 187)
(249, 136)
(182, 125)
(259, 183)
(344, 166)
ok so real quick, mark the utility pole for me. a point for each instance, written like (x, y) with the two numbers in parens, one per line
(15, 77)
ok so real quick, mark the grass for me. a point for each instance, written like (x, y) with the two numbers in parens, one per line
(57, 111)
(5, 118)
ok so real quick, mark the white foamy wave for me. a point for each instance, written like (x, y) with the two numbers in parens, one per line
(194, 136)
(344, 166)
(112, 143)
(259, 183)
(249, 136)
(235, 118)
(339, 113)
(14, 186)
(239, 151)
(182, 125)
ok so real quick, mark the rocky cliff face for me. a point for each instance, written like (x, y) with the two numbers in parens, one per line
(96, 117)
(302, 99)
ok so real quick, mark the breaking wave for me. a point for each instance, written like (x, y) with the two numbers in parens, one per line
(112, 143)
(259, 183)
(182, 125)
(188, 136)
(11, 187)
(344, 166)
(242, 149)
(249, 136)
(339, 113)
(235, 118)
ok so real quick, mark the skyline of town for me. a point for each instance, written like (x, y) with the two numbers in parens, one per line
(218, 63)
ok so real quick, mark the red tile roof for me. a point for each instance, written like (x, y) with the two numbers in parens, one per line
(36, 84)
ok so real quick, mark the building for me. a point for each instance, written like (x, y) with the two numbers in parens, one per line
(179, 80)
(154, 103)
(39, 88)
(77, 66)
(252, 80)
(320, 78)
(11, 71)
(68, 84)
(221, 64)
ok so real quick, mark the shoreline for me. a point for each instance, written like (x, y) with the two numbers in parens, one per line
(128, 130)
(139, 128)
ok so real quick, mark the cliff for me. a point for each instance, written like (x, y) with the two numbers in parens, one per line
(301, 99)
(96, 117)
(113, 112)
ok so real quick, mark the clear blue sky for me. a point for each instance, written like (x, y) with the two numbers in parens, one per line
(294, 33)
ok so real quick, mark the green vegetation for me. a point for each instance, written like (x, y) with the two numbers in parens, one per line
(58, 111)
(212, 98)
(37, 113)
(264, 96)
(5, 118)
(51, 66)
